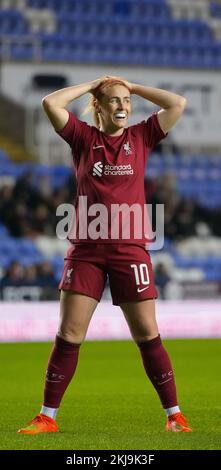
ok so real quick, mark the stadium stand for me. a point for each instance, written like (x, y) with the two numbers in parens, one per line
(170, 33)
(192, 249)
(154, 32)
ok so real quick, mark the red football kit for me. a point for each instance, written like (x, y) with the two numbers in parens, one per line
(107, 238)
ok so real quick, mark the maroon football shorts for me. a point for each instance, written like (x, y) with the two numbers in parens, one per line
(128, 268)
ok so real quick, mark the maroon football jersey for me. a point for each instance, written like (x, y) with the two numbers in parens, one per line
(110, 203)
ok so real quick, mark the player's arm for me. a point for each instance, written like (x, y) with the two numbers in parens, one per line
(55, 104)
(172, 104)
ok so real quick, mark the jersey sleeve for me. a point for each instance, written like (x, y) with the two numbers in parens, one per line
(153, 133)
(76, 133)
(74, 130)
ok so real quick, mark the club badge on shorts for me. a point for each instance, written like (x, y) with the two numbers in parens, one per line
(68, 275)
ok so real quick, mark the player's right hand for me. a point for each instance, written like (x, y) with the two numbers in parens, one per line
(96, 83)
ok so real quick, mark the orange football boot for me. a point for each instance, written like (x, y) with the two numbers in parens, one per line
(40, 423)
(177, 423)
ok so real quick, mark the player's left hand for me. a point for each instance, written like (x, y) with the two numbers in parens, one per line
(128, 84)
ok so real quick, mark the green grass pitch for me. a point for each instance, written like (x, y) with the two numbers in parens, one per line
(110, 403)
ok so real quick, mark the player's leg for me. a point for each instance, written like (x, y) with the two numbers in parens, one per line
(141, 320)
(75, 314)
(76, 311)
(81, 287)
(132, 287)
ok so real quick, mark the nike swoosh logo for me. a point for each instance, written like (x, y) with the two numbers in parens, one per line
(54, 381)
(141, 290)
(98, 147)
(161, 383)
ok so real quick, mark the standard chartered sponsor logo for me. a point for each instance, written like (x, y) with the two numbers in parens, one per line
(98, 169)
(109, 170)
(118, 170)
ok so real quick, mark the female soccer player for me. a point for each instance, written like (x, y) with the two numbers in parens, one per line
(109, 161)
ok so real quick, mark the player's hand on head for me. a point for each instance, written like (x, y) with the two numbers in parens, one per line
(105, 78)
(96, 83)
(128, 84)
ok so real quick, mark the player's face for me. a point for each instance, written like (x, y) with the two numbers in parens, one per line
(115, 108)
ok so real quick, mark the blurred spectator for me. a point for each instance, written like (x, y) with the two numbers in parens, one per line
(48, 282)
(30, 283)
(31, 276)
(24, 190)
(184, 220)
(46, 275)
(27, 212)
(216, 221)
(162, 278)
(46, 189)
(42, 220)
(72, 187)
(14, 275)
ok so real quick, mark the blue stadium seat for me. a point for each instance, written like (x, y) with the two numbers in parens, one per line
(150, 9)
(43, 170)
(207, 264)
(152, 172)
(56, 47)
(182, 262)
(58, 264)
(27, 247)
(38, 4)
(4, 233)
(142, 32)
(58, 274)
(59, 176)
(215, 9)
(22, 51)
(8, 248)
(28, 260)
(4, 260)
(10, 169)
(60, 170)
(84, 9)
(122, 8)
(12, 22)
(3, 157)
(213, 275)
(58, 260)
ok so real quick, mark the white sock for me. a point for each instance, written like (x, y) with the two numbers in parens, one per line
(172, 411)
(50, 412)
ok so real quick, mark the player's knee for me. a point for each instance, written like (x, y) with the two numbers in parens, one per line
(71, 335)
(147, 336)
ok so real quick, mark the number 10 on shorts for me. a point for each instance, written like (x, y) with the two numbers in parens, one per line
(141, 274)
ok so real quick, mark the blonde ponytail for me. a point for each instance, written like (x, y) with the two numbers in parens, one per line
(90, 108)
